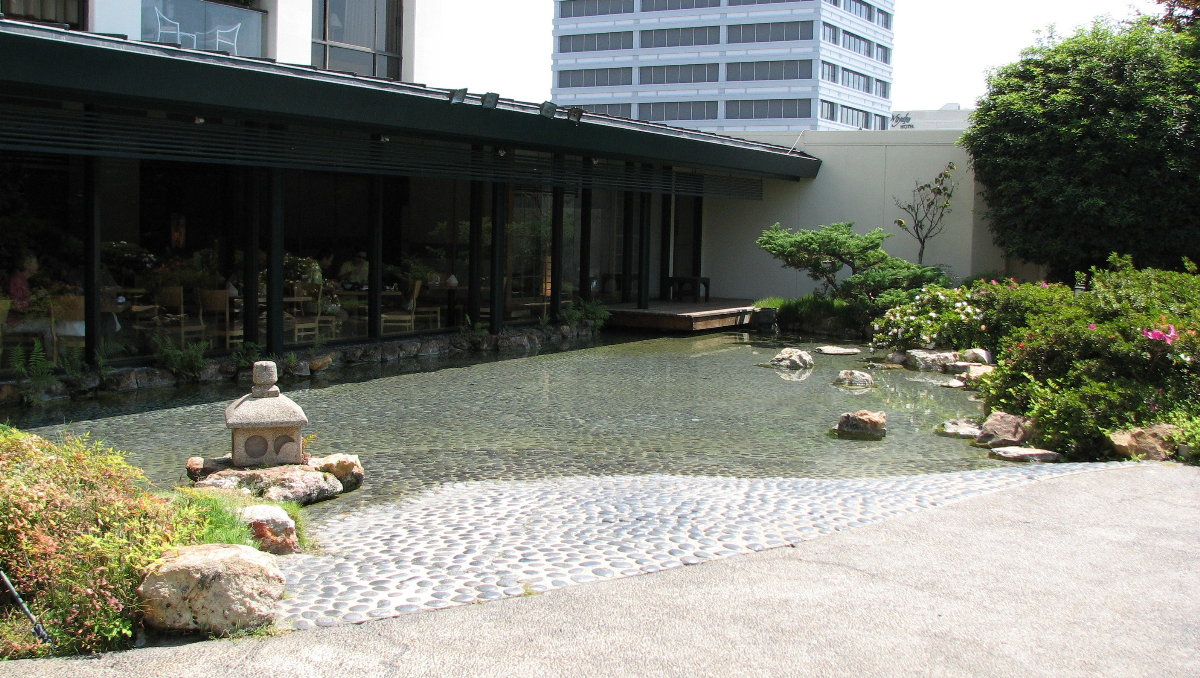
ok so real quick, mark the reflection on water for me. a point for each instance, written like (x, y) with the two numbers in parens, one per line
(682, 405)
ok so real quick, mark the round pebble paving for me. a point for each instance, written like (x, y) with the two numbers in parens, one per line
(531, 536)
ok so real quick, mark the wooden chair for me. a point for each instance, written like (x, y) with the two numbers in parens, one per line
(188, 329)
(428, 315)
(403, 319)
(215, 308)
(66, 324)
(307, 328)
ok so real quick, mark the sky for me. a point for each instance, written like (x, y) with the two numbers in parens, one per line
(943, 48)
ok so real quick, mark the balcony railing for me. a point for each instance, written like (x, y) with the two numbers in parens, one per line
(204, 25)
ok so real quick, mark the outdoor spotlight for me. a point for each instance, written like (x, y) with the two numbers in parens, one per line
(381, 138)
(574, 114)
(501, 152)
(199, 120)
(548, 109)
(489, 100)
(457, 96)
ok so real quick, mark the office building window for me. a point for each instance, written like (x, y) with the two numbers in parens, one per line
(830, 33)
(829, 71)
(69, 12)
(860, 8)
(774, 32)
(615, 110)
(682, 37)
(856, 80)
(855, 117)
(829, 110)
(595, 77)
(595, 42)
(881, 122)
(660, 5)
(858, 44)
(678, 110)
(883, 19)
(739, 3)
(883, 89)
(359, 36)
(769, 70)
(883, 54)
(768, 108)
(573, 8)
(665, 75)
(835, 3)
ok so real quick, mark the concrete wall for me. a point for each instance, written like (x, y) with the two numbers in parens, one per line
(289, 30)
(860, 174)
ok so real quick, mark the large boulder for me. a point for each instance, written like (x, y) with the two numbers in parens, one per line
(345, 467)
(918, 359)
(854, 379)
(862, 425)
(977, 355)
(1153, 443)
(214, 588)
(792, 359)
(1023, 454)
(301, 484)
(1004, 430)
(273, 529)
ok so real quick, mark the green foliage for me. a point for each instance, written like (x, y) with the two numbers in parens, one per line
(1126, 354)
(876, 280)
(77, 533)
(218, 510)
(1091, 144)
(184, 362)
(978, 315)
(31, 364)
(929, 207)
(246, 354)
(594, 311)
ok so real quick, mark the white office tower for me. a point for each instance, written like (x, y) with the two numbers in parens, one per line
(728, 65)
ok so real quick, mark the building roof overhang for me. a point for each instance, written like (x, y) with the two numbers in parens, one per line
(111, 70)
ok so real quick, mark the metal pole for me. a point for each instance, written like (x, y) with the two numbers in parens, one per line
(38, 630)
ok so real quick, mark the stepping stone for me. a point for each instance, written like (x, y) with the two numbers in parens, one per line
(837, 350)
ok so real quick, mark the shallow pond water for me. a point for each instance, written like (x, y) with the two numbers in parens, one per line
(691, 405)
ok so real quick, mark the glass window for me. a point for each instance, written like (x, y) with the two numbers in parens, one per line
(615, 110)
(835, 3)
(678, 110)
(829, 71)
(69, 12)
(772, 32)
(856, 80)
(857, 44)
(682, 37)
(738, 3)
(595, 42)
(373, 28)
(769, 70)
(855, 117)
(768, 108)
(660, 75)
(829, 110)
(881, 122)
(660, 5)
(596, 77)
(573, 8)
(883, 19)
(860, 8)
(830, 33)
(883, 89)
(883, 54)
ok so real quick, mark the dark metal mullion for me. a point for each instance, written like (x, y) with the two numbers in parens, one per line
(664, 254)
(644, 221)
(627, 245)
(557, 206)
(499, 255)
(275, 262)
(91, 223)
(475, 246)
(585, 237)
(375, 263)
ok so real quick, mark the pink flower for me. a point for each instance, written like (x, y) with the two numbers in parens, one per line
(1091, 326)
(1045, 284)
(995, 283)
(1158, 335)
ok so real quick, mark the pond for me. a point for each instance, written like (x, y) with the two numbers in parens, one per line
(688, 405)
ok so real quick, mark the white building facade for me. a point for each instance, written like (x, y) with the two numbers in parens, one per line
(728, 65)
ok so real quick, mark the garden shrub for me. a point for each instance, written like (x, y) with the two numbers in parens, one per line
(77, 533)
(1125, 354)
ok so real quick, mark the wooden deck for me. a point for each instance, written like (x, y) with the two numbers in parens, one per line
(683, 316)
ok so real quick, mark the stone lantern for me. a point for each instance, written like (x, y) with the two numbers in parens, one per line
(265, 424)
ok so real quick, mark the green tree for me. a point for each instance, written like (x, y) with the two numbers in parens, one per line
(1089, 145)
(929, 207)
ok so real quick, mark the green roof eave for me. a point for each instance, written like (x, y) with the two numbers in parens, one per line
(96, 69)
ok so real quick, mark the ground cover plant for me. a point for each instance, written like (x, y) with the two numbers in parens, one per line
(1125, 353)
(78, 530)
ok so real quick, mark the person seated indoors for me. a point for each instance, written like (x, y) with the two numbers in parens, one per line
(353, 273)
(18, 283)
(26, 317)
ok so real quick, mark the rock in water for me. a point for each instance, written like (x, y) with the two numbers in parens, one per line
(1025, 454)
(792, 359)
(301, 484)
(929, 360)
(854, 379)
(977, 355)
(959, 428)
(862, 425)
(345, 467)
(214, 588)
(1003, 430)
(837, 350)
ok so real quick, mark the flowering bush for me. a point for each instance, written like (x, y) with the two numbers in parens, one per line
(77, 533)
(978, 315)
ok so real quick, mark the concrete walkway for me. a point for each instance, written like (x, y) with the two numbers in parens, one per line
(1091, 574)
